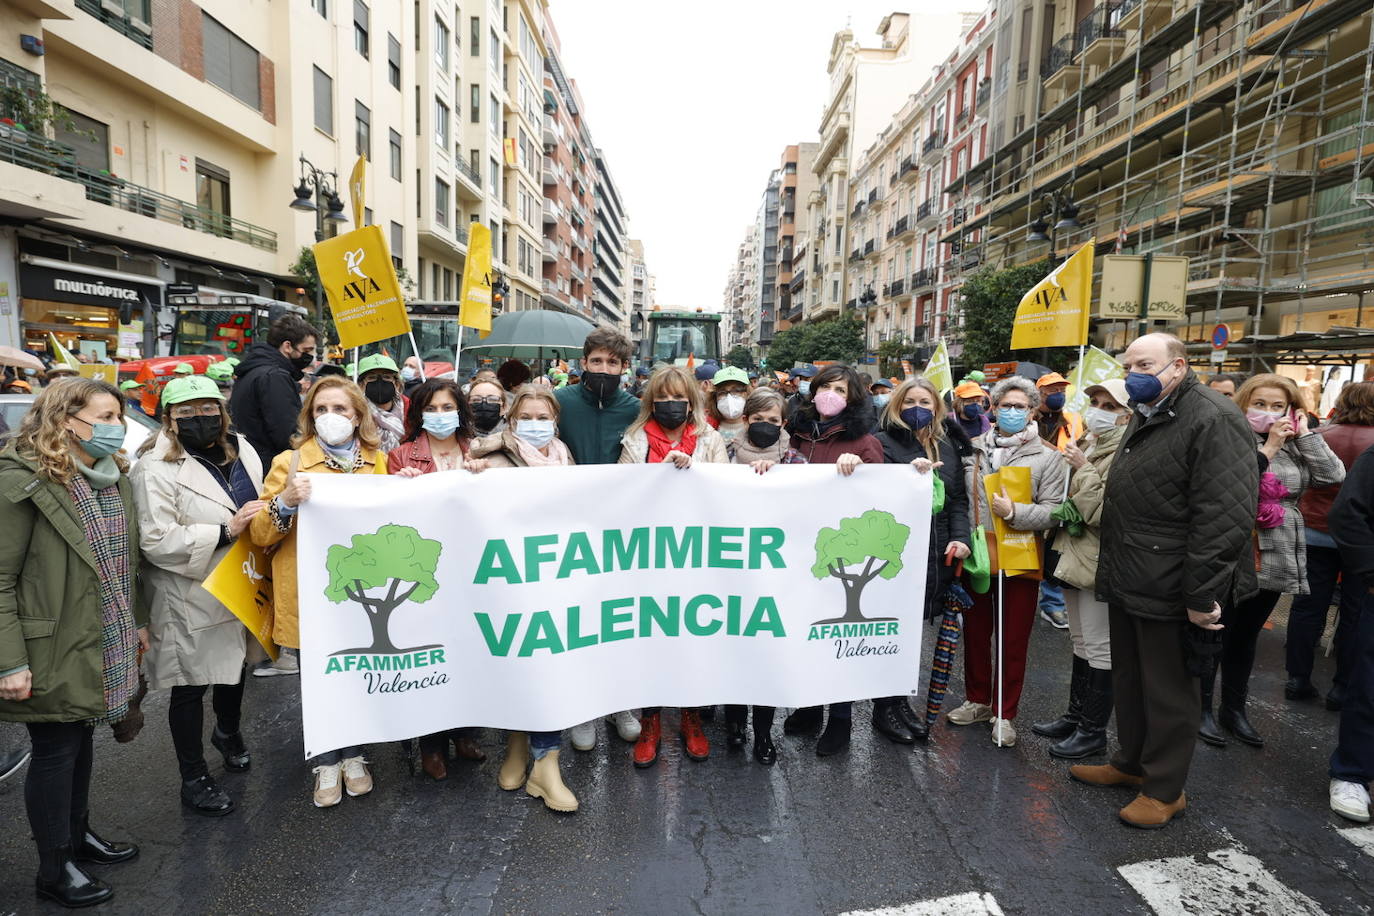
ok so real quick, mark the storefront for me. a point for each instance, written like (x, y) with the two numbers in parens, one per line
(91, 311)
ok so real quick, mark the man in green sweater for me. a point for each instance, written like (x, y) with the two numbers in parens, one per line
(595, 413)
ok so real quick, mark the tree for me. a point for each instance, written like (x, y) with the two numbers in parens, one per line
(787, 348)
(835, 338)
(891, 352)
(740, 356)
(394, 555)
(988, 300)
(875, 539)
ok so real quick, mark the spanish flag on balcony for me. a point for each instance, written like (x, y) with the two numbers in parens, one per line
(1055, 311)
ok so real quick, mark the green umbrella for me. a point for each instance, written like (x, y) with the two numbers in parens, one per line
(532, 334)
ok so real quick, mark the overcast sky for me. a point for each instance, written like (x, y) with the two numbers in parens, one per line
(693, 104)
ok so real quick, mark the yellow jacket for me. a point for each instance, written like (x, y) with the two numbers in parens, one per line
(265, 532)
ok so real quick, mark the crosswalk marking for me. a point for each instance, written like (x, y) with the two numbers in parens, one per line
(970, 904)
(1362, 837)
(1224, 881)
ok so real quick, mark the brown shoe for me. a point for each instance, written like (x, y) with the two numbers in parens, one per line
(468, 750)
(432, 762)
(1150, 813)
(1104, 775)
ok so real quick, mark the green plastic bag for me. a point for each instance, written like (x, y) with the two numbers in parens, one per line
(937, 493)
(978, 566)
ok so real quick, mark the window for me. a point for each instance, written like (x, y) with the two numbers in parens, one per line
(360, 26)
(393, 61)
(421, 276)
(212, 194)
(362, 130)
(441, 124)
(230, 62)
(441, 44)
(475, 102)
(529, 48)
(398, 245)
(495, 177)
(324, 102)
(321, 7)
(448, 283)
(475, 37)
(88, 137)
(1336, 208)
(495, 124)
(441, 203)
(395, 139)
(495, 58)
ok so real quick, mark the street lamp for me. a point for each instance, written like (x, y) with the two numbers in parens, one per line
(316, 192)
(1061, 206)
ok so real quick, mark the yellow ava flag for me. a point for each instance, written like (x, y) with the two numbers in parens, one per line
(242, 582)
(937, 370)
(360, 283)
(357, 187)
(1055, 312)
(474, 296)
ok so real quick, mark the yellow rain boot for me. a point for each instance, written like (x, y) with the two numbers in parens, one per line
(512, 773)
(546, 782)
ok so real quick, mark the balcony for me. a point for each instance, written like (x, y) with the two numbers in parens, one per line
(550, 171)
(902, 227)
(552, 212)
(1143, 15)
(962, 119)
(856, 255)
(896, 290)
(852, 304)
(858, 208)
(870, 248)
(550, 251)
(461, 234)
(957, 217)
(933, 144)
(984, 93)
(925, 212)
(798, 281)
(908, 167)
(116, 18)
(1096, 38)
(873, 196)
(59, 160)
(922, 279)
(1057, 68)
(577, 273)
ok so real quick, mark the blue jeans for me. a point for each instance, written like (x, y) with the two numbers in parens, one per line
(1051, 598)
(1353, 759)
(543, 742)
(330, 758)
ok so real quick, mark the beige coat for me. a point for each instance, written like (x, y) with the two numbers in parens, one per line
(634, 447)
(1087, 487)
(193, 638)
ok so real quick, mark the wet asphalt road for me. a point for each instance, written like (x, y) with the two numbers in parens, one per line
(881, 826)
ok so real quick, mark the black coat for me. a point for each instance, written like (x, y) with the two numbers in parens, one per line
(1180, 508)
(951, 523)
(266, 400)
(1352, 519)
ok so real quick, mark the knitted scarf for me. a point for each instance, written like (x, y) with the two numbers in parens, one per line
(660, 445)
(745, 452)
(391, 424)
(1005, 445)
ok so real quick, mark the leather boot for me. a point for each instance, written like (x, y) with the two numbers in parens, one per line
(511, 776)
(546, 782)
(1233, 718)
(887, 721)
(1207, 728)
(434, 765)
(836, 736)
(1090, 736)
(204, 796)
(735, 717)
(650, 735)
(465, 747)
(236, 756)
(1064, 726)
(804, 721)
(62, 880)
(914, 719)
(694, 740)
(91, 848)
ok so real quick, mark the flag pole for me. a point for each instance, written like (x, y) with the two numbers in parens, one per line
(1000, 630)
(355, 365)
(457, 352)
(418, 358)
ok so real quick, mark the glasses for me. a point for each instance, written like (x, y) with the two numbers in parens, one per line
(186, 413)
(486, 400)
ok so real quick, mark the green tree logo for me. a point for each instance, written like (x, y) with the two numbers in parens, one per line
(874, 540)
(394, 555)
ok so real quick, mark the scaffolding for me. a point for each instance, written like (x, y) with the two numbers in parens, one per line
(1235, 133)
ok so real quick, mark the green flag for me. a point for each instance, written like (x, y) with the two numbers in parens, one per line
(937, 370)
(1097, 366)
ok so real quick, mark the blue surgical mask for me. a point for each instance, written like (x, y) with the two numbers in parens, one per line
(442, 425)
(804, 388)
(880, 400)
(1144, 387)
(918, 417)
(408, 374)
(973, 411)
(537, 433)
(1054, 401)
(106, 439)
(1012, 419)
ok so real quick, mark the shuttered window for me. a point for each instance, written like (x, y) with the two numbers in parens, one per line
(231, 63)
(324, 102)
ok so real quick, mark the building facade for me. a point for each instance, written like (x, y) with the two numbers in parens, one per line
(569, 193)
(611, 278)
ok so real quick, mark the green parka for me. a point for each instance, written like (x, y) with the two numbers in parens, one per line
(591, 429)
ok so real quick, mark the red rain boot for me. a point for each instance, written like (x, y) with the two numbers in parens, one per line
(693, 738)
(646, 748)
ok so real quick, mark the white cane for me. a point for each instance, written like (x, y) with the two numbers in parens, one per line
(997, 731)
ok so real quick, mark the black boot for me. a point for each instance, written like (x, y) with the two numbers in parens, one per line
(835, 738)
(1090, 736)
(62, 880)
(913, 720)
(804, 721)
(765, 752)
(1299, 688)
(1335, 698)
(236, 756)
(91, 848)
(1064, 726)
(1207, 728)
(204, 796)
(1233, 716)
(887, 721)
(735, 717)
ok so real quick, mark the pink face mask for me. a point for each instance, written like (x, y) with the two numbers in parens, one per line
(828, 403)
(1260, 420)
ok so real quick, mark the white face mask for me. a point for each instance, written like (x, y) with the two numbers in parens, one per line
(731, 406)
(333, 429)
(1098, 420)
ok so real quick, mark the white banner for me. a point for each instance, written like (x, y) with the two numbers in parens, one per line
(536, 599)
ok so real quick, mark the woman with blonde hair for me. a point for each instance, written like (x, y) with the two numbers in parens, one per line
(671, 428)
(334, 435)
(72, 618)
(196, 489)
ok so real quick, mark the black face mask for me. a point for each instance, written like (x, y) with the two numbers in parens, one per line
(601, 384)
(380, 391)
(199, 432)
(763, 435)
(303, 361)
(486, 416)
(670, 414)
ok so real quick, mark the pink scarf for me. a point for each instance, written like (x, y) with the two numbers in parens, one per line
(557, 456)
(1272, 492)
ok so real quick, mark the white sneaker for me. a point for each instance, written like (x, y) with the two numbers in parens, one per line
(626, 725)
(328, 792)
(1003, 734)
(1350, 800)
(357, 778)
(584, 736)
(969, 713)
(286, 663)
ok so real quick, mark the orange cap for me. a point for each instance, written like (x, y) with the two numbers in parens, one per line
(969, 390)
(1053, 378)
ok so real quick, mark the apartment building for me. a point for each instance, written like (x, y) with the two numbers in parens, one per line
(642, 292)
(769, 260)
(742, 302)
(611, 278)
(798, 182)
(569, 191)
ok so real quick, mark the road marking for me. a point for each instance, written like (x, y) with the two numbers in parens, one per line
(970, 904)
(1224, 881)
(1362, 837)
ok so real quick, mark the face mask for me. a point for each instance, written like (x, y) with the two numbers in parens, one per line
(803, 388)
(880, 400)
(917, 417)
(1054, 402)
(972, 411)
(1261, 420)
(441, 425)
(1012, 419)
(106, 439)
(303, 361)
(1098, 420)
(828, 403)
(537, 433)
(763, 435)
(408, 374)
(731, 406)
(199, 432)
(333, 429)
(1144, 387)
(486, 416)
(602, 385)
(380, 391)
(670, 414)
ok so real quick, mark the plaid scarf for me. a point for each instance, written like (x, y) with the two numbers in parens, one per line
(107, 533)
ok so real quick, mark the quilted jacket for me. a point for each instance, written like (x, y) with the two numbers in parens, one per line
(1180, 508)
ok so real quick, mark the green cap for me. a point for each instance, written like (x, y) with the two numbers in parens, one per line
(220, 372)
(232, 361)
(730, 374)
(183, 369)
(190, 388)
(130, 385)
(377, 361)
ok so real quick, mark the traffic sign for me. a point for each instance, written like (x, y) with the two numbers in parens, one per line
(1221, 336)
